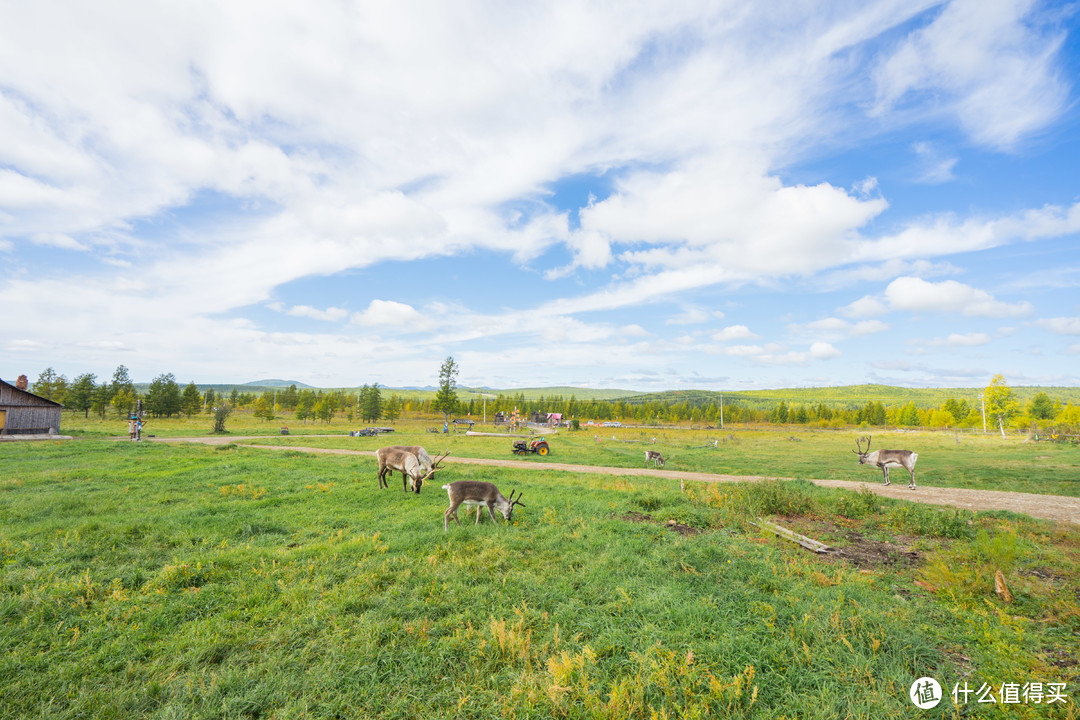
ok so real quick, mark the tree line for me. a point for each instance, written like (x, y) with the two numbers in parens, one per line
(999, 408)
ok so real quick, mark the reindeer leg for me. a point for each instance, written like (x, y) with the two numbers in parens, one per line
(886, 471)
(452, 510)
(490, 512)
(912, 485)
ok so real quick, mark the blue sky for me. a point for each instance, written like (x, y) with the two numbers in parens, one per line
(649, 196)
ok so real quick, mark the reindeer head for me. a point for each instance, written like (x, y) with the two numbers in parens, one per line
(436, 464)
(863, 454)
(510, 503)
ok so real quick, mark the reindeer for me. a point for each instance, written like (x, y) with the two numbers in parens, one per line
(886, 459)
(413, 462)
(656, 458)
(424, 459)
(477, 494)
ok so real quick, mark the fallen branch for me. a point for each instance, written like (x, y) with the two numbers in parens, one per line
(806, 542)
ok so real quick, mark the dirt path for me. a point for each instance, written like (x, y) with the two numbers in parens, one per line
(1050, 507)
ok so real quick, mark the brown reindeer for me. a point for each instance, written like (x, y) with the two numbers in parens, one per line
(477, 494)
(886, 459)
(413, 462)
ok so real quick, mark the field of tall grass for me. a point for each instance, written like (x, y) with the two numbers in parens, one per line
(169, 581)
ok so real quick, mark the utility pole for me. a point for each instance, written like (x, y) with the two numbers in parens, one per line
(721, 410)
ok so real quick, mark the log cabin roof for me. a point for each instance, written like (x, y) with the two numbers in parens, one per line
(13, 396)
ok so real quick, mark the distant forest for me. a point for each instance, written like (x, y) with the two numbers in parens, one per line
(858, 405)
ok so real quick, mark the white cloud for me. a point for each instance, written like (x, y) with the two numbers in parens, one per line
(839, 329)
(206, 157)
(918, 295)
(882, 271)
(58, 240)
(1061, 325)
(734, 332)
(694, 315)
(993, 66)
(778, 354)
(945, 235)
(392, 314)
(823, 351)
(727, 213)
(865, 306)
(935, 168)
(331, 314)
(865, 186)
(971, 339)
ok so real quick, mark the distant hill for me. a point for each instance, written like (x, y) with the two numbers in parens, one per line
(532, 393)
(848, 395)
(277, 384)
(834, 396)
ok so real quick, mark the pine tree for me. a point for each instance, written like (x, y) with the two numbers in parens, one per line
(80, 395)
(163, 396)
(392, 409)
(50, 385)
(446, 400)
(190, 399)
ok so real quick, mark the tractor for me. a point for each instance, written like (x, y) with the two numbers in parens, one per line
(524, 447)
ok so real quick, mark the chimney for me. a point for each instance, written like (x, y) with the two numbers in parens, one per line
(22, 383)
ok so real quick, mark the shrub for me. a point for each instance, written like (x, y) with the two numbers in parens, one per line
(221, 413)
(922, 520)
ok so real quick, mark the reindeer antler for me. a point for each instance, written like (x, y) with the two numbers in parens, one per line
(858, 443)
(518, 501)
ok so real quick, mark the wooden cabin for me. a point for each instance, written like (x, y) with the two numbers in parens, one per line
(24, 413)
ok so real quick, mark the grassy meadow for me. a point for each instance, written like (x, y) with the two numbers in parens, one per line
(183, 581)
(946, 459)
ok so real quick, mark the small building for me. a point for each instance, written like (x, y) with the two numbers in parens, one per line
(24, 413)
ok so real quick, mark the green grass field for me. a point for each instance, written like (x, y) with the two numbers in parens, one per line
(182, 581)
(946, 459)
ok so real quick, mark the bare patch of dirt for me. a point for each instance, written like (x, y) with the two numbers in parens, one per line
(1061, 658)
(636, 517)
(959, 659)
(867, 554)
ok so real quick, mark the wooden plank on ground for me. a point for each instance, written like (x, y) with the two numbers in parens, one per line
(806, 542)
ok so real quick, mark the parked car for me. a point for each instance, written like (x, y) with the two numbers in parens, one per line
(371, 431)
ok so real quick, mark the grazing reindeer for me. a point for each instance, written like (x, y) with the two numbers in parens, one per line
(886, 459)
(413, 462)
(656, 458)
(479, 495)
(426, 463)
